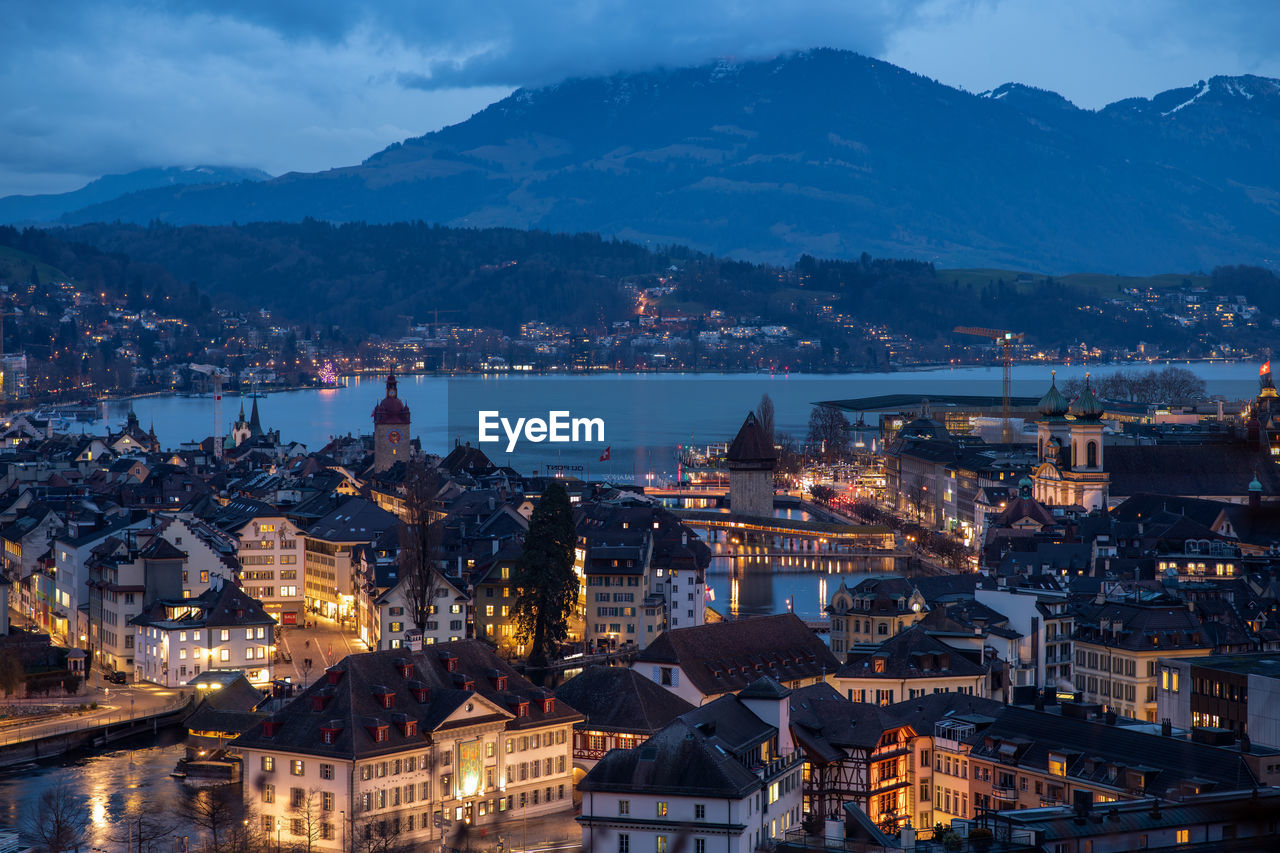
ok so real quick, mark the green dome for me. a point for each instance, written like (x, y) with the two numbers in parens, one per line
(1255, 485)
(1053, 404)
(1087, 406)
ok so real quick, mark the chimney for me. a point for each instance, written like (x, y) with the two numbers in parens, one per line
(1166, 728)
(413, 639)
(1083, 805)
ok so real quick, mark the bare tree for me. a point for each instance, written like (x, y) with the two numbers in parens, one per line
(828, 433)
(309, 821)
(917, 496)
(145, 830)
(377, 836)
(214, 811)
(59, 821)
(764, 417)
(419, 541)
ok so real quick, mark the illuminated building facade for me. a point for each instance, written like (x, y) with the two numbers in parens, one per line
(401, 746)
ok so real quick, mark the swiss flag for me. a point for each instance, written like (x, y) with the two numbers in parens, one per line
(1265, 369)
(606, 456)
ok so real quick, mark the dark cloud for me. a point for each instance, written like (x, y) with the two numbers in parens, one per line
(95, 87)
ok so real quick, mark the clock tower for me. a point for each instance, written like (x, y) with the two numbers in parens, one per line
(390, 429)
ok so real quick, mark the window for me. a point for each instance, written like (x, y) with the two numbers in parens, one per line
(699, 845)
(297, 767)
(1184, 836)
(699, 811)
(268, 793)
(326, 771)
(661, 845)
(297, 797)
(662, 808)
(327, 801)
(624, 843)
(268, 764)
(624, 807)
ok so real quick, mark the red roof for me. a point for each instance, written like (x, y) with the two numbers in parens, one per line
(392, 409)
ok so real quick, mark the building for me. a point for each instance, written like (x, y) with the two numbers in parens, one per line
(390, 429)
(726, 775)
(1043, 619)
(1238, 693)
(1026, 759)
(910, 664)
(223, 628)
(446, 617)
(1242, 820)
(1118, 644)
(854, 752)
(495, 622)
(126, 573)
(702, 663)
(330, 560)
(622, 709)
(271, 549)
(71, 574)
(397, 746)
(874, 610)
(751, 460)
(644, 572)
(1070, 469)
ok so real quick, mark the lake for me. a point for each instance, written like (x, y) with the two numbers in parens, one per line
(646, 416)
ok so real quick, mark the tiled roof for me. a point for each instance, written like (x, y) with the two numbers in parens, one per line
(349, 705)
(913, 653)
(1100, 753)
(724, 657)
(677, 761)
(619, 699)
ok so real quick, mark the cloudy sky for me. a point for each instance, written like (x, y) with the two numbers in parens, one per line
(98, 86)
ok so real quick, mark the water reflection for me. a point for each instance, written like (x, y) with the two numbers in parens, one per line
(112, 784)
(754, 584)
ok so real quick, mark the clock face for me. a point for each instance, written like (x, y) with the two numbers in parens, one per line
(394, 436)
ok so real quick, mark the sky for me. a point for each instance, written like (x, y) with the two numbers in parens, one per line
(95, 87)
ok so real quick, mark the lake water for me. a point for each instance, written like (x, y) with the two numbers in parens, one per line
(646, 416)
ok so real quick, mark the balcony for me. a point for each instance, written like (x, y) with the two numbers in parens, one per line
(1002, 792)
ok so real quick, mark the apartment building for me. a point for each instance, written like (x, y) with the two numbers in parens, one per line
(222, 628)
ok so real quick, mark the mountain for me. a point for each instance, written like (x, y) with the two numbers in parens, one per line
(21, 209)
(825, 152)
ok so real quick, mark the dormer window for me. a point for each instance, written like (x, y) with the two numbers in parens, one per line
(404, 667)
(329, 731)
(334, 676)
(548, 704)
(500, 682)
(270, 728)
(522, 709)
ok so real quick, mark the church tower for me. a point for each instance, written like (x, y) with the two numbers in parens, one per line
(390, 429)
(1070, 471)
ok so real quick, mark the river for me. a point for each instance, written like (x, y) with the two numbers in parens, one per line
(133, 776)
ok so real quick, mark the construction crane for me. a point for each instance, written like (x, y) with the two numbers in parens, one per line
(216, 376)
(1006, 340)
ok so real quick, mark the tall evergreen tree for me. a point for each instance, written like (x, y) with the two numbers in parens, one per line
(547, 586)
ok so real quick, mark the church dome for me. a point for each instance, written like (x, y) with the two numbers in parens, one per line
(1053, 404)
(392, 409)
(1087, 406)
